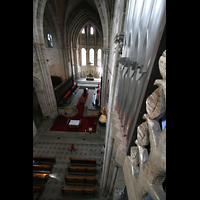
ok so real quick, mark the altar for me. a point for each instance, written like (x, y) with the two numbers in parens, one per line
(74, 123)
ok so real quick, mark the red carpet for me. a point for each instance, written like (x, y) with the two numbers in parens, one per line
(80, 106)
(60, 123)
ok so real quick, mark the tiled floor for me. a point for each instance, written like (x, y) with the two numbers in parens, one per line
(57, 144)
(62, 153)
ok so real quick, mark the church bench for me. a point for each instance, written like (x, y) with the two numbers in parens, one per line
(36, 196)
(45, 160)
(70, 95)
(83, 162)
(83, 191)
(79, 170)
(38, 189)
(70, 199)
(79, 180)
(47, 169)
(40, 178)
(70, 92)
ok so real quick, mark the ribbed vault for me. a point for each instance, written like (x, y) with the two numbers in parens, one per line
(83, 14)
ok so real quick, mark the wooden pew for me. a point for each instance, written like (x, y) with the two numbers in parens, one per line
(83, 191)
(47, 169)
(83, 162)
(45, 160)
(37, 191)
(36, 196)
(80, 170)
(70, 199)
(79, 180)
(40, 178)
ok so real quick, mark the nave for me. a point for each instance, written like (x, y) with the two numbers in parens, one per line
(57, 144)
(61, 152)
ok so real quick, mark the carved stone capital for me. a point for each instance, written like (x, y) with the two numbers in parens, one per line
(106, 50)
(119, 39)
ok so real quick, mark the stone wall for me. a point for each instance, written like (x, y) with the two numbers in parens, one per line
(89, 41)
(112, 168)
(54, 55)
(35, 133)
(62, 89)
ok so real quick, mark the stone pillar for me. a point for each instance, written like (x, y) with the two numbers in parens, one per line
(34, 130)
(112, 182)
(87, 56)
(69, 61)
(104, 79)
(109, 139)
(107, 159)
(43, 84)
(75, 63)
(65, 61)
(95, 58)
(80, 58)
(119, 41)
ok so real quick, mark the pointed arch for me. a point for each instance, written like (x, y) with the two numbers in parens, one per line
(77, 20)
(37, 84)
(91, 56)
(99, 55)
(83, 57)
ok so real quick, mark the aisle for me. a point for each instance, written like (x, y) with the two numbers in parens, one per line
(60, 123)
(62, 153)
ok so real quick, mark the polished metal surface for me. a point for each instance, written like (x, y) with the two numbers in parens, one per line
(144, 27)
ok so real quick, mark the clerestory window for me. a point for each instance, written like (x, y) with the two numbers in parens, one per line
(83, 31)
(99, 58)
(50, 43)
(91, 30)
(83, 57)
(92, 57)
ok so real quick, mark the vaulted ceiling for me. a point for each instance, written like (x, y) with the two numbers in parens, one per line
(67, 17)
(59, 13)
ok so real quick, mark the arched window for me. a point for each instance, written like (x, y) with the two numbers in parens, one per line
(99, 58)
(49, 38)
(83, 56)
(91, 30)
(92, 57)
(83, 31)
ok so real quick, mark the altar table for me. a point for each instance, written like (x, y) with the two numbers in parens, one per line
(74, 123)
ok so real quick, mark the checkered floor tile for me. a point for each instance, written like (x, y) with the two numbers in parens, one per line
(62, 153)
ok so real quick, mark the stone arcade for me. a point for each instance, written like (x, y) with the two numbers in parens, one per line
(122, 44)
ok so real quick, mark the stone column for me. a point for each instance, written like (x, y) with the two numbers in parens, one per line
(75, 63)
(106, 166)
(119, 41)
(112, 182)
(34, 131)
(69, 61)
(95, 58)
(45, 88)
(109, 139)
(87, 56)
(64, 54)
(104, 79)
(80, 58)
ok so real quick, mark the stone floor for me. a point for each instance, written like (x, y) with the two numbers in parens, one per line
(37, 114)
(62, 153)
(57, 144)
